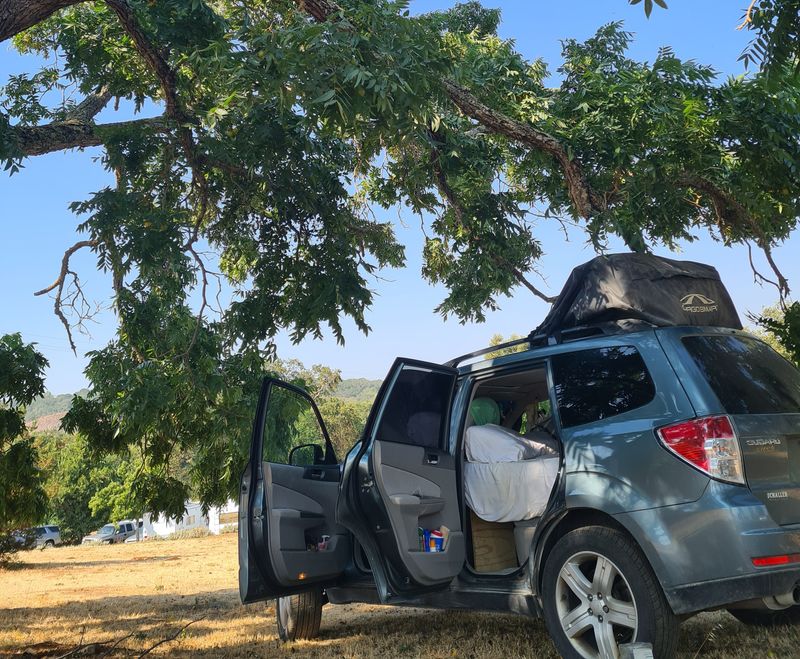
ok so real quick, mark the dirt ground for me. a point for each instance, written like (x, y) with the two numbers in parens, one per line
(123, 599)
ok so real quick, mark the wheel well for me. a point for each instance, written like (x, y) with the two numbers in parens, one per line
(574, 519)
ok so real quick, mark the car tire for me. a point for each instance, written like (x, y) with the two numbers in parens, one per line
(48, 544)
(299, 616)
(581, 565)
(767, 618)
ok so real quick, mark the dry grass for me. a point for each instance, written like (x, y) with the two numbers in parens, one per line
(63, 597)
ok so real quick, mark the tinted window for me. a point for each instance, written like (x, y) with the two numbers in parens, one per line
(747, 375)
(417, 408)
(601, 383)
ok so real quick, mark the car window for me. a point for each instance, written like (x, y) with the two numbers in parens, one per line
(417, 408)
(290, 423)
(600, 383)
(747, 376)
(53, 529)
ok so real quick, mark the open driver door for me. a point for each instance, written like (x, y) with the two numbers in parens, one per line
(289, 540)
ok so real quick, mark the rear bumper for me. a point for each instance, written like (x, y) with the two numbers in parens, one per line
(722, 592)
(702, 551)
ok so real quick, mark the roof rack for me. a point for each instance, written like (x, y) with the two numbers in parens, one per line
(534, 341)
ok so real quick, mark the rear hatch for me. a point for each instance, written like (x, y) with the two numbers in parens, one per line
(760, 391)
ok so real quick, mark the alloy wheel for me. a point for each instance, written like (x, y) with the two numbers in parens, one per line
(595, 605)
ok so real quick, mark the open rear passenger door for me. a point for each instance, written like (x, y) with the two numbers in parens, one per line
(402, 478)
(289, 540)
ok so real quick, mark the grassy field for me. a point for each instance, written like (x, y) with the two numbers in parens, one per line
(137, 595)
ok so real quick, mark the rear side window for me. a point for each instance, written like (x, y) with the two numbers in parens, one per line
(747, 376)
(597, 384)
(417, 408)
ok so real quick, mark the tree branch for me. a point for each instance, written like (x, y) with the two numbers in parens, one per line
(586, 202)
(19, 15)
(155, 59)
(748, 16)
(319, 9)
(733, 215)
(171, 637)
(58, 286)
(88, 108)
(74, 134)
(527, 284)
(450, 197)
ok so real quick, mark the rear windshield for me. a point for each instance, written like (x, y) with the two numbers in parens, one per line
(747, 375)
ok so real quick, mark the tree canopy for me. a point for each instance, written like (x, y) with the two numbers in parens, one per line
(254, 139)
(22, 497)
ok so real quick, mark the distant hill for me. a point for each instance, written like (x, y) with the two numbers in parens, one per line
(49, 405)
(54, 407)
(359, 389)
(48, 422)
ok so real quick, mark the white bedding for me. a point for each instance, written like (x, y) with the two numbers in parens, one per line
(491, 443)
(508, 477)
(509, 491)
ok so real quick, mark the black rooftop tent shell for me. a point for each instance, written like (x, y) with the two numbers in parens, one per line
(627, 292)
(617, 293)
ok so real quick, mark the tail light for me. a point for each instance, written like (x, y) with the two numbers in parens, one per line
(710, 444)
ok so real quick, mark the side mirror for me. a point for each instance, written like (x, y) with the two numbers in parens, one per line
(306, 454)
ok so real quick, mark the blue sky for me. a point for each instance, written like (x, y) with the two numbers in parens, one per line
(36, 224)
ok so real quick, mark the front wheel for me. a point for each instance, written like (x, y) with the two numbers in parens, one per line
(767, 618)
(299, 616)
(599, 593)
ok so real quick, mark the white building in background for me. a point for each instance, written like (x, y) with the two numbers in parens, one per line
(217, 519)
(223, 517)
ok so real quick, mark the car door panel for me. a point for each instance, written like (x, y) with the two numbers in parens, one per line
(303, 508)
(289, 539)
(419, 494)
(400, 479)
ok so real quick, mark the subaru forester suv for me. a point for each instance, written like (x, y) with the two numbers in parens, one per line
(612, 482)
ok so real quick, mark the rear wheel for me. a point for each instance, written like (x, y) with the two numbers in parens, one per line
(48, 544)
(767, 618)
(599, 592)
(299, 616)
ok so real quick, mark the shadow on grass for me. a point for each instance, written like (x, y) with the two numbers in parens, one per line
(228, 629)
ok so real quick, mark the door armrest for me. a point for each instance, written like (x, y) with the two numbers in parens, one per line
(420, 506)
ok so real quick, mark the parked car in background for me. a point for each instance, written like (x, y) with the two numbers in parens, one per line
(111, 534)
(139, 533)
(47, 536)
(40, 537)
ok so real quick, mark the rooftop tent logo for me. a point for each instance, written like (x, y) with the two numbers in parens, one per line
(696, 303)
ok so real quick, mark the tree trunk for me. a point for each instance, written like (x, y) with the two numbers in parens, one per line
(19, 15)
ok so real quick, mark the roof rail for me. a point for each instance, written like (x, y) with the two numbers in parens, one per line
(534, 341)
(485, 351)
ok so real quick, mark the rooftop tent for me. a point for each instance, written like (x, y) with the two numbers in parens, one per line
(625, 292)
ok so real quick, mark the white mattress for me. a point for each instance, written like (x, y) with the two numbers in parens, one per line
(509, 491)
(492, 443)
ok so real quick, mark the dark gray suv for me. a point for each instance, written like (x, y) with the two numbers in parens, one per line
(611, 479)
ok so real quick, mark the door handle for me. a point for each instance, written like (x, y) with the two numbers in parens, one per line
(317, 474)
(432, 459)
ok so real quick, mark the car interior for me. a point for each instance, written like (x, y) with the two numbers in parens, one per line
(509, 439)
